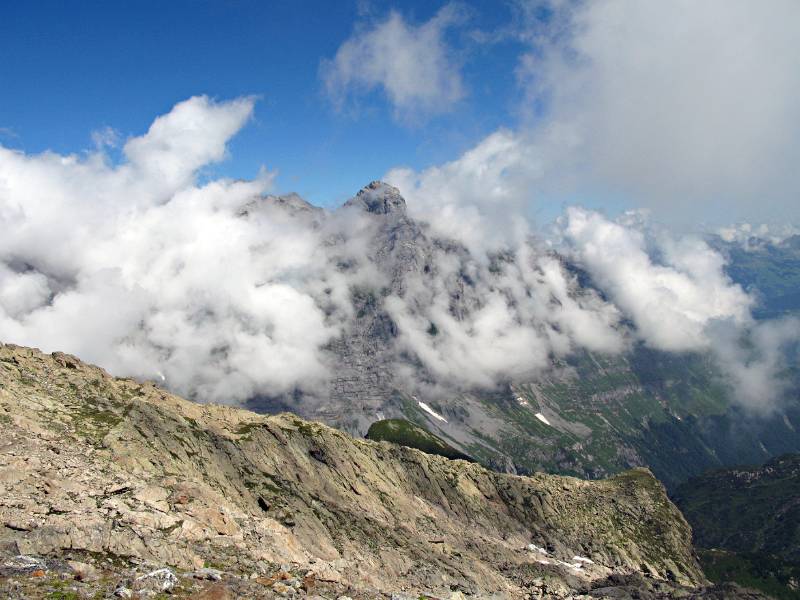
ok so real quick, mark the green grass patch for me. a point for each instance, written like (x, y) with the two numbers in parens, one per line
(406, 433)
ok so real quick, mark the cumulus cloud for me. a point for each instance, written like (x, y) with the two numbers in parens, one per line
(105, 137)
(678, 298)
(689, 109)
(231, 294)
(751, 236)
(671, 303)
(138, 268)
(476, 198)
(754, 361)
(411, 64)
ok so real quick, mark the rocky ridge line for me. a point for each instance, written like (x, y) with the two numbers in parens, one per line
(127, 478)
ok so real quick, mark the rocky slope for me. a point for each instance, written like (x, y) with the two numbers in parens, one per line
(123, 479)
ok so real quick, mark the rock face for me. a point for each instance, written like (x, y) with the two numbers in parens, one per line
(97, 468)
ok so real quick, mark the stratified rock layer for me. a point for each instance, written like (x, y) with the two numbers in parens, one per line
(106, 466)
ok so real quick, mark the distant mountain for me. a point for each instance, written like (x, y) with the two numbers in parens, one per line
(746, 520)
(770, 270)
(588, 414)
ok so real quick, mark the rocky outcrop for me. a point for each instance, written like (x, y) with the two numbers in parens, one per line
(94, 468)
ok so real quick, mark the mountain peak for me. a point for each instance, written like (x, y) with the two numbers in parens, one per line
(379, 198)
(293, 202)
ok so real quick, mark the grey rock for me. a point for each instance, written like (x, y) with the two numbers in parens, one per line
(160, 580)
(208, 573)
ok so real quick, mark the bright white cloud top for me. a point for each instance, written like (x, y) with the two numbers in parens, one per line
(138, 268)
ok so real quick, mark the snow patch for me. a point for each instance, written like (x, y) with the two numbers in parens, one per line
(575, 566)
(543, 419)
(539, 549)
(583, 559)
(429, 410)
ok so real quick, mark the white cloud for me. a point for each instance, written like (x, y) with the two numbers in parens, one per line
(752, 236)
(692, 108)
(105, 137)
(479, 198)
(679, 299)
(754, 361)
(689, 109)
(673, 303)
(193, 134)
(139, 269)
(506, 324)
(411, 64)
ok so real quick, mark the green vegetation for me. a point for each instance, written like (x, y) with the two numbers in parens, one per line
(773, 576)
(406, 433)
(670, 412)
(747, 523)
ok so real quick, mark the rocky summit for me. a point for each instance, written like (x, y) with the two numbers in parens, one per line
(114, 488)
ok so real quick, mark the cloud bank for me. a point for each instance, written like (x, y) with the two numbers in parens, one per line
(229, 293)
(516, 313)
(138, 268)
(687, 107)
(691, 110)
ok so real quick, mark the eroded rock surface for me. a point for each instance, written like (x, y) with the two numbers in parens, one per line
(124, 479)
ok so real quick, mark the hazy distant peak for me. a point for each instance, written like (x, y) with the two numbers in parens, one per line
(293, 202)
(379, 198)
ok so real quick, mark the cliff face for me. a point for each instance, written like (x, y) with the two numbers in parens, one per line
(112, 469)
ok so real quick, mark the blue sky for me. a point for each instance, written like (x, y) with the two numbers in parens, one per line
(68, 69)
(691, 114)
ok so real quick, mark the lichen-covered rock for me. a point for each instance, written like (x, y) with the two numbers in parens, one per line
(98, 466)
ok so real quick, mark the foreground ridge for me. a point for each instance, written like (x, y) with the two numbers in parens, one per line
(123, 479)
